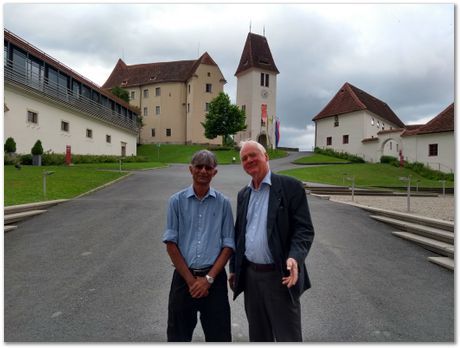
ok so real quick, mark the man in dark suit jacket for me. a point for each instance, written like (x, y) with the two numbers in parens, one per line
(273, 235)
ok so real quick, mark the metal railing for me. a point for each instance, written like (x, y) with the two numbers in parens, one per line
(30, 80)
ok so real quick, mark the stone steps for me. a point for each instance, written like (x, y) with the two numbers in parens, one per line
(436, 246)
(20, 212)
(426, 231)
(8, 228)
(445, 262)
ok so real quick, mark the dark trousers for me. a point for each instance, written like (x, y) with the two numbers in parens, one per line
(272, 316)
(214, 311)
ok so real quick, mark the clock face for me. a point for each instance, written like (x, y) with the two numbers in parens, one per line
(264, 93)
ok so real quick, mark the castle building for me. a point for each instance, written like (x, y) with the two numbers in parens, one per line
(256, 91)
(47, 101)
(173, 97)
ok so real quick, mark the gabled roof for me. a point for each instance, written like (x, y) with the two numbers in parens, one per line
(256, 54)
(142, 74)
(350, 98)
(444, 122)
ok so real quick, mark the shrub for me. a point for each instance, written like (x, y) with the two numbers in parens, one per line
(390, 160)
(37, 149)
(10, 145)
(342, 155)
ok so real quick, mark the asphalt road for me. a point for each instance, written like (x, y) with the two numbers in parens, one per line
(94, 269)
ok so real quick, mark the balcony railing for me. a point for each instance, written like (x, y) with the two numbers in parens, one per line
(34, 81)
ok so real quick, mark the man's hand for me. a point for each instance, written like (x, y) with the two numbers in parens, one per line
(231, 281)
(199, 288)
(291, 280)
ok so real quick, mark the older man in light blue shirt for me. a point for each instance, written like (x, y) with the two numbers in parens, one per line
(199, 238)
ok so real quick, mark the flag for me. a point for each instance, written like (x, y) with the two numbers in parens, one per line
(277, 131)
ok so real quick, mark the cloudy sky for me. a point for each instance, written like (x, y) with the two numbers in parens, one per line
(402, 54)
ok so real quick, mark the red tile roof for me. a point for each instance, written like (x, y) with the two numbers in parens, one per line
(443, 122)
(350, 98)
(256, 54)
(142, 74)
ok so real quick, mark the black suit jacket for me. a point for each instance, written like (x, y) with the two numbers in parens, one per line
(289, 228)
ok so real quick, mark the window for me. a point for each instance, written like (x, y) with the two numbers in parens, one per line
(329, 141)
(432, 149)
(345, 139)
(336, 121)
(188, 107)
(372, 121)
(206, 107)
(168, 132)
(89, 133)
(189, 88)
(378, 124)
(153, 132)
(209, 74)
(157, 91)
(264, 79)
(108, 138)
(391, 145)
(133, 95)
(383, 126)
(146, 93)
(32, 117)
(157, 110)
(146, 111)
(243, 108)
(64, 126)
(208, 88)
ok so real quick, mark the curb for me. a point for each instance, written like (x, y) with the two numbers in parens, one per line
(103, 186)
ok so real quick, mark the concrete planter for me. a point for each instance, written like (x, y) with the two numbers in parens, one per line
(37, 160)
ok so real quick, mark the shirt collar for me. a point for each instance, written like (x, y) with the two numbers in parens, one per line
(191, 193)
(266, 180)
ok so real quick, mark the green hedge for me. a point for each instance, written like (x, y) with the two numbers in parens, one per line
(52, 159)
(343, 155)
(389, 160)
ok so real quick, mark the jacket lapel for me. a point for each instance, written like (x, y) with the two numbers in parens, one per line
(274, 201)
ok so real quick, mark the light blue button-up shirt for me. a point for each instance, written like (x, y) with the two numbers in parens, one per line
(200, 228)
(257, 249)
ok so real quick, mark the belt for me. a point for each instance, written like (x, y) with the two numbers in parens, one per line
(261, 267)
(200, 272)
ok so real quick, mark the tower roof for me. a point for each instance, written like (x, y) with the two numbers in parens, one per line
(143, 74)
(256, 54)
(350, 98)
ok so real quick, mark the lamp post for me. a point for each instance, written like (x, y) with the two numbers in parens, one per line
(352, 179)
(407, 178)
(45, 174)
(443, 182)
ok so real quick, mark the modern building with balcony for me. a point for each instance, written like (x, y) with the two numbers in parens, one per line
(46, 100)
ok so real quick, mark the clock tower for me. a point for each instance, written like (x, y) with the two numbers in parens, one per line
(256, 91)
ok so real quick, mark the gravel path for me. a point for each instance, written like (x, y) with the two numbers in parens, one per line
(442, 208)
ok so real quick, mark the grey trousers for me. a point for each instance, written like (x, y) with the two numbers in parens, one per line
(272, 316)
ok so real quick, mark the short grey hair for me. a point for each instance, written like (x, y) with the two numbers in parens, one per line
(204, 157)
(253, 142)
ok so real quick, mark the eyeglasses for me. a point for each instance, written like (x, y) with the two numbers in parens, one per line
(201, 166)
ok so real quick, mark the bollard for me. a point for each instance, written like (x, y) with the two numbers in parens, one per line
(443, 182)
(407, 178)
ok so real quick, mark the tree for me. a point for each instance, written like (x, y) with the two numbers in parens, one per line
(10, 145)
(120, 93)
(223, 118)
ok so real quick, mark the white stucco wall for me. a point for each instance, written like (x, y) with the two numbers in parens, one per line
(48, 129)
(416, 149)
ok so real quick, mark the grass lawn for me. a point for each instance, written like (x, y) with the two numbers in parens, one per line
(170, 153)
(366, 175)
(26, 185)
(318, 158)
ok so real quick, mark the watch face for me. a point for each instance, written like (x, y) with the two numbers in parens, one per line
(264, 93)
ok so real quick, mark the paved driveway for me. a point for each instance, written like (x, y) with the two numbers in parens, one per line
(94, 270)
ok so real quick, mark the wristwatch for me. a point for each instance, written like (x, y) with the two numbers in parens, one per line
(209, 279)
